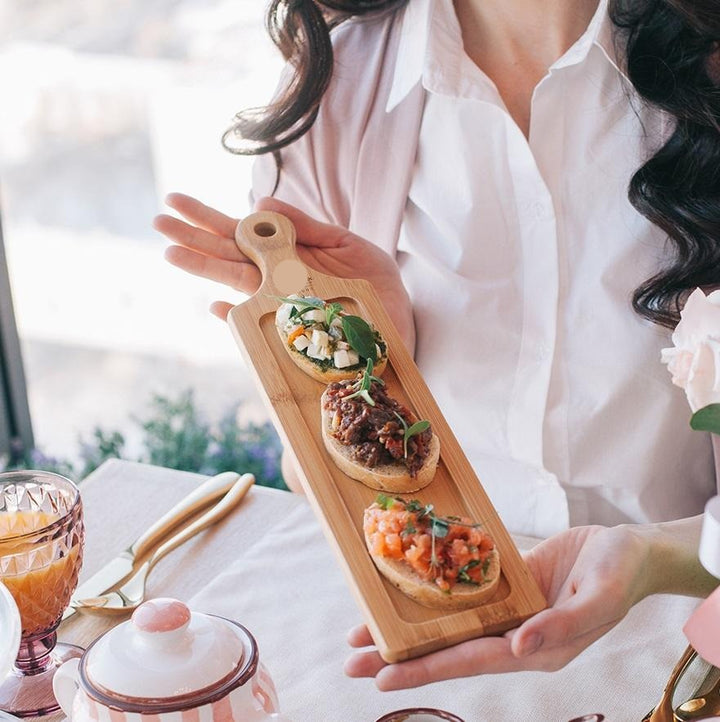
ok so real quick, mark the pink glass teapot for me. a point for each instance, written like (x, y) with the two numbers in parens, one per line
(168, 664)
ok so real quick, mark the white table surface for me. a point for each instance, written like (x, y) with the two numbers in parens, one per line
(269, 567)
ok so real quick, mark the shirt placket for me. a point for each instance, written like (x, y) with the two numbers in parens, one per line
(538, 238)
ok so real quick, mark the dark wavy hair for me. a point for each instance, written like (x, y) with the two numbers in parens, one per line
(672, 52)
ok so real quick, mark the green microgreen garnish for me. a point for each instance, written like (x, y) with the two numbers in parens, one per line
(463, 575)
(364, 383)
(409, 431)
(332, 311)
(384, 501)
(439, 528)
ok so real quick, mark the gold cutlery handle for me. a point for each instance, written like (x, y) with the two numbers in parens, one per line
(220, 510)
(663, 712)
(205, 493)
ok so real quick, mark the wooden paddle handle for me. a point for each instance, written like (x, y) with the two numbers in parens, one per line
(268, 239)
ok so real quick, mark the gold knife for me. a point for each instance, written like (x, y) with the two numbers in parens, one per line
(122, 565)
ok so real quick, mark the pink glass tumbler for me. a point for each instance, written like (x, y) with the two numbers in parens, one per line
(41, 548)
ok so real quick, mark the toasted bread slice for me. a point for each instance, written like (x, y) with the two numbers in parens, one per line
(460, 596)
(394, 478)
(446, 563)
(333, 358)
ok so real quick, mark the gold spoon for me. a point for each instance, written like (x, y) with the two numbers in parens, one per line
(664, 711)
(705, 703)
(132, 593)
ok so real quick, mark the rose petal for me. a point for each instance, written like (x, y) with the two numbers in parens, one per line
(699, 320)
(679, 365)
(702, 387)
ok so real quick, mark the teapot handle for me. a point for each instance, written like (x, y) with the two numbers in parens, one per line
(66, 684)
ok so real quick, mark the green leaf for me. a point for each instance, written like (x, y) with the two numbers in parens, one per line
(463, 575)
(305, 301)
(365, 394)
(414, 505)
(363, 385)
(440, 527)
(332, 310)
(409, 431)
(707, 419)
(384, 501)
(360, 336)
(417, 428)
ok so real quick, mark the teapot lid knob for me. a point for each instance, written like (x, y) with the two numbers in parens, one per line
(161, 615)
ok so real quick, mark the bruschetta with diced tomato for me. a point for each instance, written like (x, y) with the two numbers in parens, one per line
(446, 563)
(326, 342)
(374, 438)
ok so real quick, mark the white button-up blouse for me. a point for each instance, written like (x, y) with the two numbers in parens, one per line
(520, 256)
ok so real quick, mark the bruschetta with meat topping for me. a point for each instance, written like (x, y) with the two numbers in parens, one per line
(375, 439)
(441, 562)
(325, 341)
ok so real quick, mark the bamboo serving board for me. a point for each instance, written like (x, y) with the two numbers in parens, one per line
(400, 627)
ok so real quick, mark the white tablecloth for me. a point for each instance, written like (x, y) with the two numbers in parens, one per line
(288, 590)
(268, 566)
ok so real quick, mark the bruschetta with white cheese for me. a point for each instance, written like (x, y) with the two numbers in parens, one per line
(446, 563)
(325, 341)
(375, 439)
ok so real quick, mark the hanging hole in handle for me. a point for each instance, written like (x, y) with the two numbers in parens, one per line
(265, 229)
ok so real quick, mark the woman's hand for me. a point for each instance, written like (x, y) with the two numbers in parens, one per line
(591, 576)
(205, 246)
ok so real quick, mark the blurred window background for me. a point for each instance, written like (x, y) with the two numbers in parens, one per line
(108, 106)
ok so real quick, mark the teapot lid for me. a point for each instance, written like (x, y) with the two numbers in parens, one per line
(10, 624)
(166, 657)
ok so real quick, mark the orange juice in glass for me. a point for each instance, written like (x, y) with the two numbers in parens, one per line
(41, 543)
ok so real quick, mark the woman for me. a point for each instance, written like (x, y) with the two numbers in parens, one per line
(485, 148)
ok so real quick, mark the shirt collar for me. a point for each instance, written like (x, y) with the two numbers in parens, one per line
(414, 35)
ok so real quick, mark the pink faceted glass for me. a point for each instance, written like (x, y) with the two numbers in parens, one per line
(41, 549)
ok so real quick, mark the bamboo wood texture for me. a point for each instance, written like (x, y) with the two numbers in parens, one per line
(400, 627)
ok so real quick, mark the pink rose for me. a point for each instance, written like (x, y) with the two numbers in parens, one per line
(694, 362)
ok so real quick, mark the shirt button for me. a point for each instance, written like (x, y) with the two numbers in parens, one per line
(539, 210)
(542, 352)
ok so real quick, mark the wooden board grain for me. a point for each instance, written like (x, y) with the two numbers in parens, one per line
(400, 627)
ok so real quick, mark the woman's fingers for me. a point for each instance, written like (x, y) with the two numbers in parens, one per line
(359, 637)
(221, 309)
(244, 277)
(201, 215)
(582, 614)
(206, 242)
(309, 231)
(364, 664)
(490, 655)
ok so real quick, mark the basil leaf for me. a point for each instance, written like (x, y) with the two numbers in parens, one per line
(360, 336)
